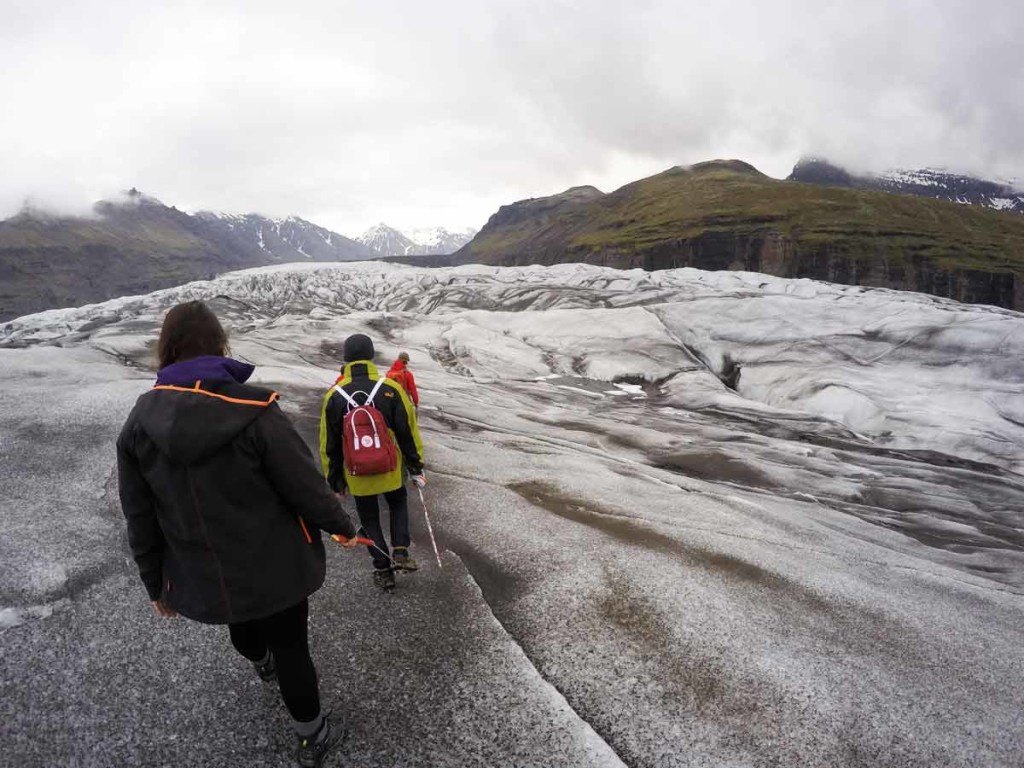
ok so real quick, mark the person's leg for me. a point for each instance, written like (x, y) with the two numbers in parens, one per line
(287, 636)
(248, 639)
(369, 520)
(398, 506)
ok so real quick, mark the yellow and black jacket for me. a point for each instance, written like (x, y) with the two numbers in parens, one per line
(398, 411)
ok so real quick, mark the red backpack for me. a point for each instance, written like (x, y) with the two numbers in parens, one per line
(369, 448)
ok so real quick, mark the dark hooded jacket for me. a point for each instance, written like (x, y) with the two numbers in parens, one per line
(223, 498)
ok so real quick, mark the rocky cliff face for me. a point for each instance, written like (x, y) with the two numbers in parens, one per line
(777, 255)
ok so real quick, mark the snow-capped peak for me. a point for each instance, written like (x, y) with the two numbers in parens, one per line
(389, 241)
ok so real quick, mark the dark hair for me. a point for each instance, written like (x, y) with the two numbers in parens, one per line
(190, 330)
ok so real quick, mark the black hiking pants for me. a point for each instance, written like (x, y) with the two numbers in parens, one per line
(286, 635)
(369, 520)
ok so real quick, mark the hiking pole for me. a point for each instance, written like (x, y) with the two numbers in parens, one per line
(363, 540)
(430, 528)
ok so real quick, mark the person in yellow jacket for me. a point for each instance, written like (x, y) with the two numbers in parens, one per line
(360, 377)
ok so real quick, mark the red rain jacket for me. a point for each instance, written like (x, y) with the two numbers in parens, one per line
(400, 373)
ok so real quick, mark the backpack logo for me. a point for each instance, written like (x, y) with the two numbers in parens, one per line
(368, 445)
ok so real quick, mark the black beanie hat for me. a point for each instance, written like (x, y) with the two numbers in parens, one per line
(358, 346)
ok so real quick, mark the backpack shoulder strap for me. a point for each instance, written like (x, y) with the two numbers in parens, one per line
(376, 387)
(351, 401)
(352, 404)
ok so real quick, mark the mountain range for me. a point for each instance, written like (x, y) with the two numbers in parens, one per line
(136, 244)
(282, 240)
(931, 231)
(725, 214)
(435, 241)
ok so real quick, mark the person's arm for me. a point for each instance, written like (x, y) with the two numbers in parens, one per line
(289, 465)
(406, 430)
(332, 451)
(139, 507)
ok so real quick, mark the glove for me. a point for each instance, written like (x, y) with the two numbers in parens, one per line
(419, 480)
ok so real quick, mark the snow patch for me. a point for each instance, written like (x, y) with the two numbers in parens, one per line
(1006, 203)
(628, 389)
(15, 617)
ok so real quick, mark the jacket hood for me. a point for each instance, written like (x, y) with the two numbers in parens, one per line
(398, 365)
(205, 368)
(188, 424)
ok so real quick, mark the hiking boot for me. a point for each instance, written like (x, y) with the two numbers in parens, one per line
(403, 562)
(266, 671)
(384, 579)
(314, 749)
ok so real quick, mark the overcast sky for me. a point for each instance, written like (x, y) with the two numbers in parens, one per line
(435, 113)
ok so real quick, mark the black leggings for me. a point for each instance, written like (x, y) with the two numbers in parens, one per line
(286, 635)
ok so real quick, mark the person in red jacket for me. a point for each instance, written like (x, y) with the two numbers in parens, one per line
(400, 372)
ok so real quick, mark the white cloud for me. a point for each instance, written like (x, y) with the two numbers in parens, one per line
(351, 113)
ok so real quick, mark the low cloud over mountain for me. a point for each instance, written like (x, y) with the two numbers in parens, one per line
(928, 182)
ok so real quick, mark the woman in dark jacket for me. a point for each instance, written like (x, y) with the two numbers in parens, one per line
(224, 505)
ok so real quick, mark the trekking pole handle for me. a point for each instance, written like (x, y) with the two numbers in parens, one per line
(359, 539)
